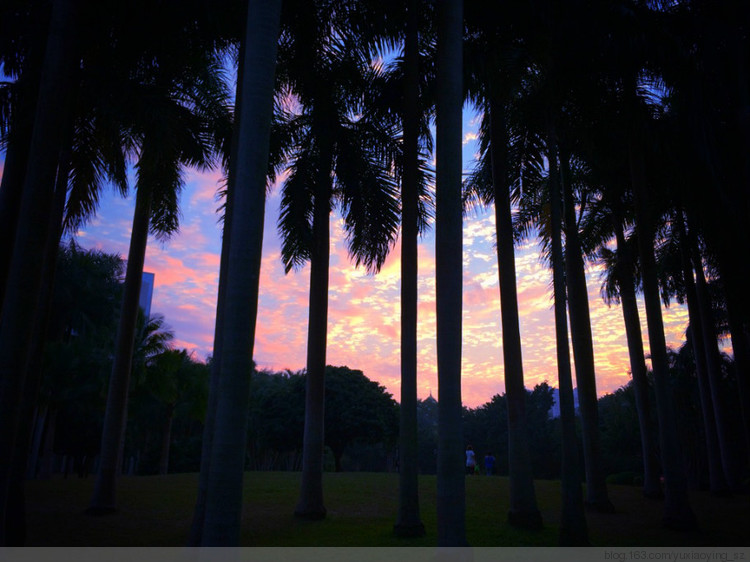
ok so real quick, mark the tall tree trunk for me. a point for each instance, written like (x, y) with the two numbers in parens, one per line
(25, 273)
(17, 150)
(573, 528)
(741, 350)
(196, 527)
(103, 499)
(677, 511)
(223, 507)
(713, 368)
(209, 423)
(523, 507)
(16, 525)
(310, 504)
(408, 522)
(717, 482)
(626, 283)
(583, 350)
(451, 493)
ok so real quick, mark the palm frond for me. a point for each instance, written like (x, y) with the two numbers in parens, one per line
(369, 199)
(296, 212)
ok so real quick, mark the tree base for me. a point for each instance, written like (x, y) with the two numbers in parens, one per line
(525, 519)
(601, 506)
(97, 510)
(311, 514)
(409, 530)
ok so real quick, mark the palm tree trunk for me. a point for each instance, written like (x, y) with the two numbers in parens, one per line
(196, 527)
(717, 482)
(713, 369)
(25, 273)
(523, 507)
(626, 283)
(741, 351)
(116, 413)
(451, 493)
(223, 511)
(677, 511)
(16, 525)
(408, 522)
(583, 351)
(573, 528)
(17, 151)
(310, 504)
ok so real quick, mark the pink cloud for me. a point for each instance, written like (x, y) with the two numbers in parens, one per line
(364, 322)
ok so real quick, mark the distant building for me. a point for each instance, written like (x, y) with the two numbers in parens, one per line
(554, 411)
(147, 291)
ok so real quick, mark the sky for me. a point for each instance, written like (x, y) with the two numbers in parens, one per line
(363, 324)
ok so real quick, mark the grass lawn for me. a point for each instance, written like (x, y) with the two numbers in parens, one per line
(157, 510)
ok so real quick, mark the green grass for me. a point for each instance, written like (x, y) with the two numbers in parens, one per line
(157, 510)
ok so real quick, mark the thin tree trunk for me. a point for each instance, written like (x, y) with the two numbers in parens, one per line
(677, 511)
(116, 412)
(573, 527)
(310, 504)
(223, 511)
(626, 283)
(408, 522)
(451, 493)
(523, 507)
(713, 369)
(583, 351)
(25, 274)
(717, 482)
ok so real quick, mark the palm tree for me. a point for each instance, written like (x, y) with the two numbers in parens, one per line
(171, 377)
(451, 495)
(499, 83)
(171, 126)
(220, 522)
(337, 155)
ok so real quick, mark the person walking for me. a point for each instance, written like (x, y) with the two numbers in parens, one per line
(489, 463)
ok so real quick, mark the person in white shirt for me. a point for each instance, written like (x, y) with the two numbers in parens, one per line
(471, 460)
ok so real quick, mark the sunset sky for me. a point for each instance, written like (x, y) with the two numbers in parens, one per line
(364, 309)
